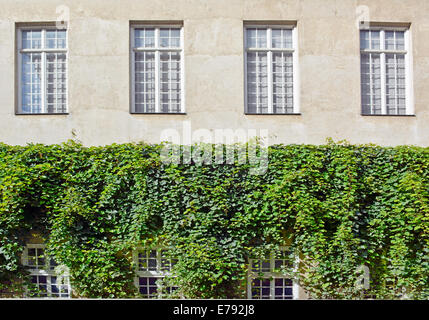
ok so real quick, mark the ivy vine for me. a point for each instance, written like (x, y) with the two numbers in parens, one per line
(338, 206)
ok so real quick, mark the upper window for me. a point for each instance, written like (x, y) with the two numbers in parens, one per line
(42, 56)
(269, 277)
(271, 70)
(385, 71)
(157, 69)
(46, 283)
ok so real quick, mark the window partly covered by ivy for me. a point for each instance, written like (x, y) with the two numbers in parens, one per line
(153, 265)
(270, 276)
(46, 282)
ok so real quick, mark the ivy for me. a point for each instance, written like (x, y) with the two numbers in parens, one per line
(338, 207)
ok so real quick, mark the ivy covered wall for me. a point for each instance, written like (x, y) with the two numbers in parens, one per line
(339, 206)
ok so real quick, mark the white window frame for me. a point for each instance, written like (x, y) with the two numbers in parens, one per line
(46, 271)
(409, 97)
(157, 50)
(43, 51)
(270, 50)
(273, 275)
(158, 273)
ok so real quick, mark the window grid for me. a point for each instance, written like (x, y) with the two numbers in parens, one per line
(271, 75)
(152, 266)
(157, 68)
(384, 72)
(43, 275)
(266, 279)
(42, 70)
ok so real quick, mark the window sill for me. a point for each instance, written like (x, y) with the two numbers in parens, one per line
(158, 113)
(272, 114)
(42, 114)
(388, 115)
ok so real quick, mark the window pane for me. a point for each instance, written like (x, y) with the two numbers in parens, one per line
(390, 40)
(364, 39)
(394, 40)
(283, 289)
(56, 74)
(261, 41)
(31, 39)
(148, 287)
(55, 39)
(144, 82)
(169, 37)
(31, 83)
(260, 288)
(170, 82)
(282, 38)
(256, 37)
(257, 82)
(147, 260)
(282, 82)
(370, 40)
(400, 40)
(371, 83)
(251, 38)
(395, 84)
(144, 38)
(375, 40)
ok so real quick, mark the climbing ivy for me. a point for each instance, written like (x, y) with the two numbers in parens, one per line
(340, 207)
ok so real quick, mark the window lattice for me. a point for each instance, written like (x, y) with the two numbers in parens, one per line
(43, 70)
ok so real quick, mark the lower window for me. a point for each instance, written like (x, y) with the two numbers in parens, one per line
(45, 282)
(49, 286)
(152, 266)
(269, 288)
(268, 277)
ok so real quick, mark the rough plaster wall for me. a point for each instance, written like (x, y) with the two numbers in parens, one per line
(214, 72)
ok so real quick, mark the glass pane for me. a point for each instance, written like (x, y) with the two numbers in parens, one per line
(251, 38)
(56, 39)
(283, 289)
(170, 82)
(148, 287)
(375, 40)
(371, 83)
(256, 37)
(175, 38)
(257, 82)
(277, 38)
(364, 39)
(282, 38)
(144, 82)
(56, 82)
(395, 84)
(390, 40)
(282, 69)
(261, 38)
(395, 40)
(32, 39)
(169, 37)
(144, 38)
(31, 83)
(400, 40)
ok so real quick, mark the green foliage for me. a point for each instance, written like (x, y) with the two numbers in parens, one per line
(338, 206)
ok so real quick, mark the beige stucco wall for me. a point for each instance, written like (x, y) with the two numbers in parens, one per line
(213, 31)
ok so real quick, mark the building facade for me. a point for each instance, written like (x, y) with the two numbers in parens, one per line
(292, 71)
(300, 71)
